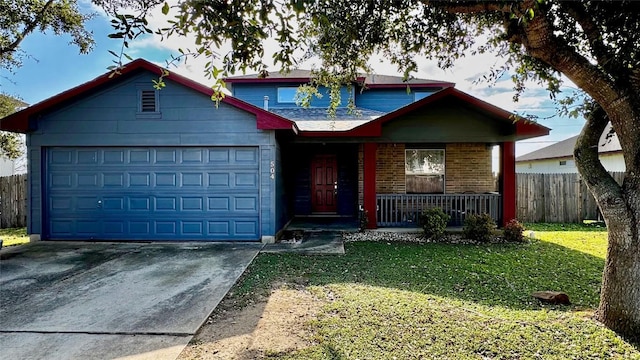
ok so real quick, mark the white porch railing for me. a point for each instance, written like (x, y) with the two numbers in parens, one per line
(404, 209)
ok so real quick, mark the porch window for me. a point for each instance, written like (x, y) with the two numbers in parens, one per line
(424, 171)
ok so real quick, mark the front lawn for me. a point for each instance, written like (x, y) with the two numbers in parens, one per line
(441, 301)
(14, 236)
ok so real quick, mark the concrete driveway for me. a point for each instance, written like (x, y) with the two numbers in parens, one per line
(112, 300)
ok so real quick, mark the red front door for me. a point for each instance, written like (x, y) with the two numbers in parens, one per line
(324, 183)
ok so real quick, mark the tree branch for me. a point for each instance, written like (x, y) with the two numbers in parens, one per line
(607, 192)
(539, 40)
(29, 27)
(592, 32)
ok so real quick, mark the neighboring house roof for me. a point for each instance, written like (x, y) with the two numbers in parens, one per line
(370, 80)
(19, 121)
(564, 148)
(317, 119)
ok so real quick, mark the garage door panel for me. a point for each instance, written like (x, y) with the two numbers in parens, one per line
(153, 193)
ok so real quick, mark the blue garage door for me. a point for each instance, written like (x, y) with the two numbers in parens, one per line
(152, 193)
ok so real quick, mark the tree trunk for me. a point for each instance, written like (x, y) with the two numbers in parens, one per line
(619, 307)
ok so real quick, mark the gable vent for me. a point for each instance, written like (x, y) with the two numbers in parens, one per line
(148, 101)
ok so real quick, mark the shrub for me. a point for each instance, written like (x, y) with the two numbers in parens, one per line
(434, 222)
(479, 227)
(513, 231)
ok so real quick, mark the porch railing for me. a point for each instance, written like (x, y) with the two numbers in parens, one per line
(404, 209)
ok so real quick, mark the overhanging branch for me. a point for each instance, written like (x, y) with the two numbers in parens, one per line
(592, 32)
(28, 28)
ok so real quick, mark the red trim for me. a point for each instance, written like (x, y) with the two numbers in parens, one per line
(508, 172)
(369, 183)
(372, 131)
(530, 129)
(19, 122)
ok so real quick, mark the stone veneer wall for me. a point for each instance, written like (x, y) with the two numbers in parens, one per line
(467, 169)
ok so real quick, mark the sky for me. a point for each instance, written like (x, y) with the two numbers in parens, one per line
(54, 65)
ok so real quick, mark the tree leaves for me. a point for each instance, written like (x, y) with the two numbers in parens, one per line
(10, 143)
(20, 18)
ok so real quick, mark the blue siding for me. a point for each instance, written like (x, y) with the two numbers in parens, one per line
(385, 100)
(255, 93)
(110, 118)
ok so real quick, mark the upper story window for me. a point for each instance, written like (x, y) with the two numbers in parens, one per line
(424, 171)
(287, 94)
(563, 162)
(419, 95)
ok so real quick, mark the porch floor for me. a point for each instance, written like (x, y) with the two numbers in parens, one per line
(311, 243)
(323, 224)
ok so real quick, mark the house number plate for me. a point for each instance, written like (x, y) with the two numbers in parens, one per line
(272, 169)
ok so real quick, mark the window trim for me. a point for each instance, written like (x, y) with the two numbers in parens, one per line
(443, 174)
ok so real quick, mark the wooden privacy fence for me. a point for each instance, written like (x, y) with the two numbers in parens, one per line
(13, 201)
(556, 198)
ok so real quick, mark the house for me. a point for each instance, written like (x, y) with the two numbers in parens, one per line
(558, 158)
(114, 159)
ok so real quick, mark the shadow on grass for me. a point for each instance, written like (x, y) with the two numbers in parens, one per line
(503, 275)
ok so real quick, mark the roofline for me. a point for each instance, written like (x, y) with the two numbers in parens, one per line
(612, 152)
(361, 80)
(266, 80)
(438, 84)
(19, 121)
(524, 128)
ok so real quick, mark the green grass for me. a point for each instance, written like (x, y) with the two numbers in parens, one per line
(586, 226)
(410, 301)
(14, 236)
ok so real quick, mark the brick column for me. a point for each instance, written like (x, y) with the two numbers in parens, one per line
(508, 174)
(369, 183)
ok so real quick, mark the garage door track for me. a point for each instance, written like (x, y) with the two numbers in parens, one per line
(112, 300)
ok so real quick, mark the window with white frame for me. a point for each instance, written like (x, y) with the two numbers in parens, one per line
(424, 171)
(287, 94)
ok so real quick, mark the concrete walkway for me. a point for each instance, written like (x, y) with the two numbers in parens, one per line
(109, 301)
(312, 243)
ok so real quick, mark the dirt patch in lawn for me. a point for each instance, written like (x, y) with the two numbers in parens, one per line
(277, 325)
